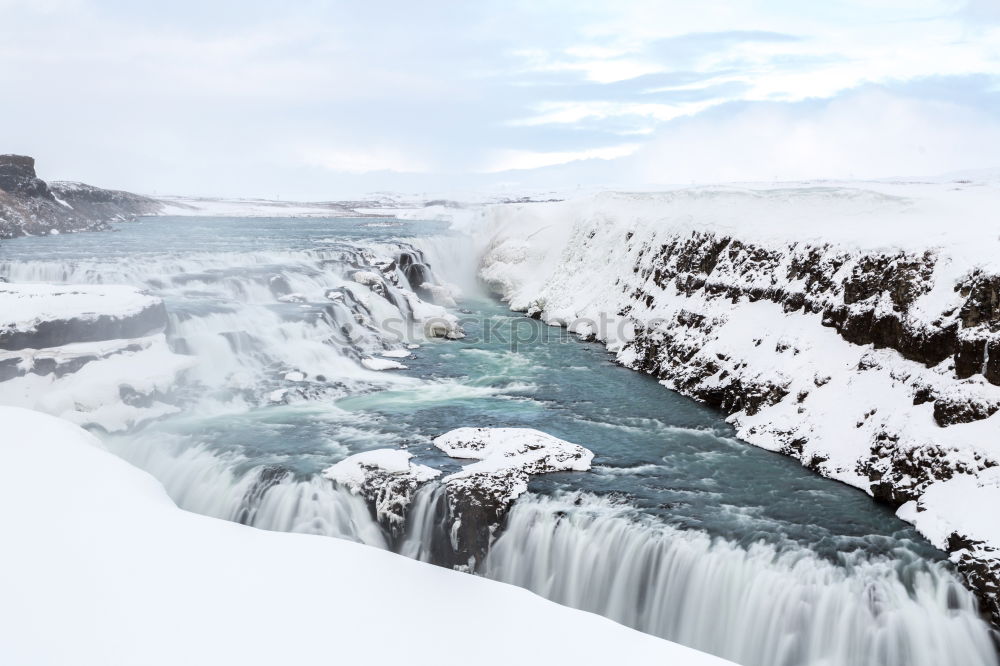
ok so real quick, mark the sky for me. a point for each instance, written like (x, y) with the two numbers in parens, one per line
(328, 100)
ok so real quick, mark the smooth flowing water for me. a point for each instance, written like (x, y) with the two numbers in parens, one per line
(679, 529)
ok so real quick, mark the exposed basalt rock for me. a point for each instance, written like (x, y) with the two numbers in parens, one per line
(477, 505)
(979, 564)
(950, 410)
(29, 206)
(867, 305)
(900, 474)
(17, 176)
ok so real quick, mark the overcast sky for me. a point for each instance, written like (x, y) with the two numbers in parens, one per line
(323, 100)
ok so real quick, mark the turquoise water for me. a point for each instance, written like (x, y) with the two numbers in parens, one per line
(666, 470)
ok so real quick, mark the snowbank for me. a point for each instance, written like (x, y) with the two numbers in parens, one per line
(113, 384)
(100, 567)
(43, 315)
(853, 327)
(211, 207)
(512, 451)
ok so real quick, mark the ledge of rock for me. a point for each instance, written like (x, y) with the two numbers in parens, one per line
(40, 316)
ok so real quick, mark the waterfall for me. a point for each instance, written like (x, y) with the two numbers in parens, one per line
(270, 497)
(758, 606)
(261, 327)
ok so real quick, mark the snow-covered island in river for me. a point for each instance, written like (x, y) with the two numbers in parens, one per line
(803, 471)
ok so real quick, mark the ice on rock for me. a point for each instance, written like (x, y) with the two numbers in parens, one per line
(482, 492)
(512, 450)
(367, 278)
(382, 364)
(386, 478)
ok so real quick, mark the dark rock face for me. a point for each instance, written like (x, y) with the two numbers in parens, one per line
(979, 564)
(29, 206)
(477, 505)
(17, 176)
(951, 410)
(870, 305)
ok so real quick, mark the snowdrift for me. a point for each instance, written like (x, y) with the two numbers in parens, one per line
(100, 567)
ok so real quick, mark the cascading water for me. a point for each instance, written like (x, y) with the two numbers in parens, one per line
(711, 543)
(270, 497)
(759, 606)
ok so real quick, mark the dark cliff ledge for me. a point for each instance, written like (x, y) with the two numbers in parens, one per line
(30, 207)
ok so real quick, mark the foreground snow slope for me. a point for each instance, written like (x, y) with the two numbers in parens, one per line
(855, 328)
(100, 567)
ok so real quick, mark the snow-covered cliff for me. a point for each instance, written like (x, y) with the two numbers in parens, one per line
(856, 328)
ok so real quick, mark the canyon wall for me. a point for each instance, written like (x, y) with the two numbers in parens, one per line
(30, 207)
(855, 329)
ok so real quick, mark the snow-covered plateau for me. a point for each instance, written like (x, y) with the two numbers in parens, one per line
(855, 327)
(102, 565)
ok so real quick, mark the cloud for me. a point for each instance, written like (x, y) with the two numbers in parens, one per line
(511, 160)
(319, 100)
(867, 133)
(364, 159)
(982, 10)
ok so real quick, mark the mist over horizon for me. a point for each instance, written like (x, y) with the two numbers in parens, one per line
(318, 101)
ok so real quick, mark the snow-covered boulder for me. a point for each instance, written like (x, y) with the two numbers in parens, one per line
(367, 278)
(382, 364)
(480, 495)
(386, 478)
(155, 585)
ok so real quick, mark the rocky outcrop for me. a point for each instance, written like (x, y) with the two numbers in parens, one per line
(386, 479)
(480, 495)
(31, 207)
